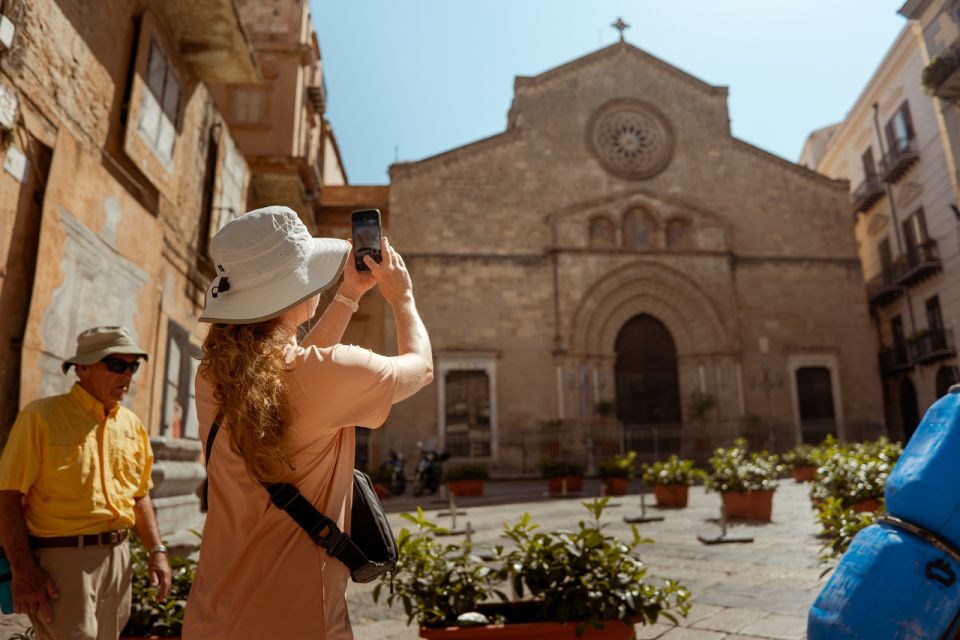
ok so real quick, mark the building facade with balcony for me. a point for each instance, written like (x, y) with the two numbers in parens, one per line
(279, 122)
(895, 150)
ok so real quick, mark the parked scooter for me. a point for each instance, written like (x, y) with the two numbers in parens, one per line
(429, 469)
(398, 477)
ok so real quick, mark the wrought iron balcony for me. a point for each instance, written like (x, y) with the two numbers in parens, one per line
(866, 194)
(882, 289)
(894, 360)
(942, 76)
(900, 157)
(931, 346)
(917, 263)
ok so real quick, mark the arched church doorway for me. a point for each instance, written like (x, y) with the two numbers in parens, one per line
(648, 389)
(909, 409)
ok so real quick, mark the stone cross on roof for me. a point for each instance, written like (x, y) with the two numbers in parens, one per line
(620, 26)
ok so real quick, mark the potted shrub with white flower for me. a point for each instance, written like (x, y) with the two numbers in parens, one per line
(671, 480)
(745, 480)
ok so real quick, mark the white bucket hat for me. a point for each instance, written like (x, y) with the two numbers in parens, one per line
(267, 262)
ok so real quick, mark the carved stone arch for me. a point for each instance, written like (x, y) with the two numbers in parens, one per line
(647, 287)
(641, 229)
(602, 232)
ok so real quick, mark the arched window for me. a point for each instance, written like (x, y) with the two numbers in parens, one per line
(602, 232)
(678, 233)
(639, 229)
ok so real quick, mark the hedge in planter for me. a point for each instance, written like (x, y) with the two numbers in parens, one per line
(855, 474)
(671, 479)
(579, 580)
(147, 616)
(558, 471)
(616, 472)
(466, 479)
(745, 480)
(803, 462)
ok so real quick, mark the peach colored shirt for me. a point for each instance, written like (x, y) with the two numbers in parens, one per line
(260, 576)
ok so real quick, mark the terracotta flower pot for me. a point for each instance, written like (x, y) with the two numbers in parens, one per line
(615, 486)
(466, 487)
(804, 474)
(671, 496)
(748, 505)
(574, 485)
(867, 506)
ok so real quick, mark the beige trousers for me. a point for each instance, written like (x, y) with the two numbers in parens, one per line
(94, 585)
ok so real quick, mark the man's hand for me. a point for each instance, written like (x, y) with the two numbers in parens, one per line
(160, 575)
(33, 589)
(355, 283)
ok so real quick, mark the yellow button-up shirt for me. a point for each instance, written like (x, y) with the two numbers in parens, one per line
(78, 468)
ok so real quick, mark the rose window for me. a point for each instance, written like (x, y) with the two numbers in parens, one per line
(630, 139)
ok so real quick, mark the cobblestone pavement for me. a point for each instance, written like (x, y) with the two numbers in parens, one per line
(740, 591)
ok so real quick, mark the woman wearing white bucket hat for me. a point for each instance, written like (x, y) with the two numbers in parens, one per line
(287, 410)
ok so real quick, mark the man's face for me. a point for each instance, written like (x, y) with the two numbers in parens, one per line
(105, 385)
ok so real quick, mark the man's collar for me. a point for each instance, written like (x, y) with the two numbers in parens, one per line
(88, 403)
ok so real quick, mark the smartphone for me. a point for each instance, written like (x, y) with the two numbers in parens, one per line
(365, 224)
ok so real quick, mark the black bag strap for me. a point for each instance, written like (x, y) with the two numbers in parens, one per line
(321, 529)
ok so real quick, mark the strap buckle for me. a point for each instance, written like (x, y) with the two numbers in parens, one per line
(333, 541)
(109, 538)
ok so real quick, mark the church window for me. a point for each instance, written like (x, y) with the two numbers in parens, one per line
(602, 232)
(678, 234)
(631, 139)
(639, 229)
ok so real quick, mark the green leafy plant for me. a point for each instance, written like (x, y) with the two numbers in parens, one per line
(436, 583)
(147, 616)
(840, 524)
(854, 473)
(672, 471)
(560, 468)
(27, 634)
(736, 469)
(701, 403)
(618, 466)
(459, 472)
(587, 575)
(804, 455)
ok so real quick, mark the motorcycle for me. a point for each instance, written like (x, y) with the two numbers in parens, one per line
(429, 473)
(398, 477)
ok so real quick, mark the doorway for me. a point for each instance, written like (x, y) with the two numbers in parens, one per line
(815, 398)
(909, 409)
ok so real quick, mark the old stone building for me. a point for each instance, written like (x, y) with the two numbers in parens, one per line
(119, 166)
(617, 256)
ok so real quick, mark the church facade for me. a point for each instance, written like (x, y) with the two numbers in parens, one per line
(617, 271)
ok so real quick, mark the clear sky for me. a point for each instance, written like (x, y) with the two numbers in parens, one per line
(408, 79)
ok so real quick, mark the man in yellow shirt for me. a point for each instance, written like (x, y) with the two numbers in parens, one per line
(74, 478)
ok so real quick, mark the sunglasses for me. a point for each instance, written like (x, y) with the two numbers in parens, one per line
(117, 365)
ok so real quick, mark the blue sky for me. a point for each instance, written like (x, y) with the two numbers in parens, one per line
(409, 79)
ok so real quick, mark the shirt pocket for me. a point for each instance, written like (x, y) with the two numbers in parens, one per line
(126, 460)
(66, 470)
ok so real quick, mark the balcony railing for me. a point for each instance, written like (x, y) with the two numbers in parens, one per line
(882, 288)
(894, 360)
(866, 194)
(917, 263)
(900, 157)
(318, 97)
(933, 345)
(942, 76)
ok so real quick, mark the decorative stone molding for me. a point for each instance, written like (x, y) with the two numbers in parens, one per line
(630, 138)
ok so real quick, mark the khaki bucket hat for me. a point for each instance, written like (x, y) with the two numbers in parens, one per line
(93, 345)
(267, 262)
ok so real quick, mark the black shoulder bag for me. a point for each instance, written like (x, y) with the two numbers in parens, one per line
(369, 553)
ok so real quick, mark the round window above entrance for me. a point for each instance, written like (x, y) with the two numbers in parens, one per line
(630, 138)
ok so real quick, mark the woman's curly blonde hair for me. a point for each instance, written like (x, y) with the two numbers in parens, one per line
(245, 364)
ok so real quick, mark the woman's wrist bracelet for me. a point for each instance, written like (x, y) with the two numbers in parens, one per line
(348, 302)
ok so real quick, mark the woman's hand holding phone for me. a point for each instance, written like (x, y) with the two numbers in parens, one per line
(355, 283)
(391, 273)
